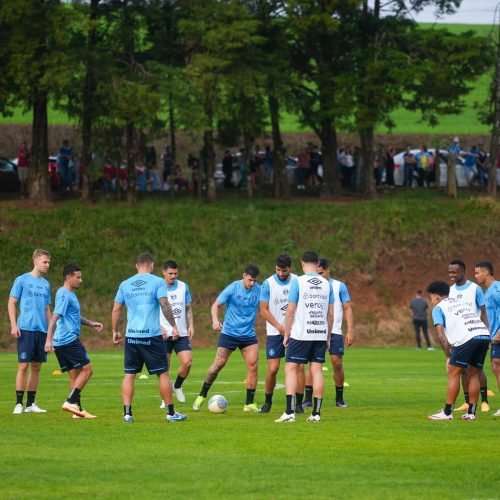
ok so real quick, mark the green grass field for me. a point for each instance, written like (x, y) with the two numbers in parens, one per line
(381, 446)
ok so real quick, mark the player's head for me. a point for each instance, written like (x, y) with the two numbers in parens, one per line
(145, 262)
(72, 275)
(170, 271)
(438, 290)
(283, 266)
(324, 267)
(456, 271)
(419, 292)
(483, 272)
(310, 257)
(250, 274)
(41, 260)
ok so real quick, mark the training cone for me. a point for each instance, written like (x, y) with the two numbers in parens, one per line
(325, 369)
(346, 384)
(143, 376)
(57, 372)
(490, 392)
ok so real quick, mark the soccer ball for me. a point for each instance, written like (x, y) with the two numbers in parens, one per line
(217, 404)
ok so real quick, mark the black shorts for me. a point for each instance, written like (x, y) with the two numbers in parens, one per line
(31, 347)
(336, 345)
(305, 351)
(179, 345)
(233, 343)
(472, 353)
(274, 347)
(71, 356)
(149, 351)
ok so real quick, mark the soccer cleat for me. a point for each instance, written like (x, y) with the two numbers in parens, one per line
(484, 406)
(441, 415)
(431, 349)
(176, 417)
(266, 408)
(286, 417)
(128, 419)
(198, 402)
(252, 407)
(162, 406)
(469, 416)
(18, 409)
(464, 407)
(496, 414)
(306, 404)
(299, 409)
(179, 394)
(340, 404)
(86, 414)
(73, 408)
(34, 408)
(314, 418)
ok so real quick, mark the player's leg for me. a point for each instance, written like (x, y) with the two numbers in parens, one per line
(185, 355)
(299, 394)
(483, 391)
(168, 346)
(128, 386)
(308, 388)
(38, 356)
(495, 367)
(165, 385)
(465, 387)
(336, 352)
(275, 350)
(21, 376)
(318, 390)
(250, 354)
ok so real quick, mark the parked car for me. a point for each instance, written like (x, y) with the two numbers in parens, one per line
(9, 181)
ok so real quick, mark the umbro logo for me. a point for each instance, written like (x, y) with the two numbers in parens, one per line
(176, 311)
(285, 291)
(314, 281)
(138, 283)
(284, 308)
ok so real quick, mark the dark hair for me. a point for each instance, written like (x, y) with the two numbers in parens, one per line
(283, 260)
(484, 264)
(252, 270)
(440, 288)
(419, 292)
(144, 258)
(323, 263)
(457, 262)
(310, 257)
(70, 269)
(170, 264)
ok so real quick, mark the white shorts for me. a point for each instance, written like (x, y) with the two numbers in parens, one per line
(23, 173)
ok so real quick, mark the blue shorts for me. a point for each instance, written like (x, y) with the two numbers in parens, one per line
(495, 351)
(274, 347)
(179, 345)
(336, 345)
(31, 347)
(71, 356)
(305, 351)
(232, 343)
(149, 351)
(472, 353)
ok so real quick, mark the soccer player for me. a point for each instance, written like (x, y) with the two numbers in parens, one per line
(179, 298)
(31, 292)
(241, 299)
(465, 340)
(273, 305)
(308, 323)
(469, 292)
(63, 337)
(342, 308)
(484, 277)
(144, 295)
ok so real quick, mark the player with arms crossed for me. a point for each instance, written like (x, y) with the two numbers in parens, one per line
(308, 323)
(31, 292)
(465, 340)
(179, 298)
(241, 299)
(144, 294)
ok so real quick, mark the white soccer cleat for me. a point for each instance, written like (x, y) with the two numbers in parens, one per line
(179, 394)
(314, 418)
(18, 409)
(496, 414)
(162, 406)
(441, 415)
(34, 408)
(286, 417)
(469, 416)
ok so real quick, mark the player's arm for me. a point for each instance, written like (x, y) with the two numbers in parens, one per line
(329, 319)
(190, 320)
(47, 313)
(443, 340)
(95, 325)
(484, 317)
(49, 345)
(12, 310)
(214, 311)
(349, 318)
(266, 314)
(115, 320)
(169, 316)
(289, 317)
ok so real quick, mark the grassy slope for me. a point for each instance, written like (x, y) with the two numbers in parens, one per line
(382, 446)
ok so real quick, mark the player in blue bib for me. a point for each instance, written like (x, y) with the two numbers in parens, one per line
(144, 295)
(31, 293)
(484, 277)
(63, 337)
(241, 299)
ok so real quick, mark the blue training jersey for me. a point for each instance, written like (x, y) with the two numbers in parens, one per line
(33, 295)
(241, 309)
(492, 299)
(68, 325)
(141, 294)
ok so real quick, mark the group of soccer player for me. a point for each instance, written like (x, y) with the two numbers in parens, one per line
(304, 316)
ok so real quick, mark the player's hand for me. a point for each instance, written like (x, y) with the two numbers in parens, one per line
(175, 333)
(286, 338)
(95, 325)
(217, 325)
(349, 339)
(15, 332)
(117, 337)
(281, 329)
(190, 332)
(49, 347)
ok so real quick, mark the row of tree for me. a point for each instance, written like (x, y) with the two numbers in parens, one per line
(229, 68)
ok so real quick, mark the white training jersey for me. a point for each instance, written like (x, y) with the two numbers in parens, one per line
(278, 302)
(466, 295)
(177, 300)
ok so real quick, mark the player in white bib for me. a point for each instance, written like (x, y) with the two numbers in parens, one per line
(179, 297)
(308, 323)
(465, 340)
(470, 293)
(273, 306)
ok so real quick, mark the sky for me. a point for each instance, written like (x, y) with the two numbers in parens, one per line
(469, 12)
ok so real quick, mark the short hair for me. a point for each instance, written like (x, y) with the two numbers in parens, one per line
(170, 264)
(144, 258)
(323, 263)
(283, 260)
(39, 252)
(457, 262)
(484, 264)
(70, 269)
(440, 288)
(420, 292)
(252, 270)
(310, 257)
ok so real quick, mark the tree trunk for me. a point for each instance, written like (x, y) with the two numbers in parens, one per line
(495, 135)
(131, 154)
(366, 139)
(247, 153)
(281, 189)
(330, 186)
(172, 128)
(208, 165)
(39, 185)
(451, 181)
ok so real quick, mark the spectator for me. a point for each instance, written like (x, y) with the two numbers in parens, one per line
(150, 159)
(194, 165)
(23, 156)
(346, 161)
(227, 168)
(303, 168)
(455, 148)
(65, 165)
(481, 164)
(167, 166)
(410, 163)
(268, 163)
(389, 166)
(314, 162)
(470, 166)
(378, 165)
(423, 166)
(418, 307)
